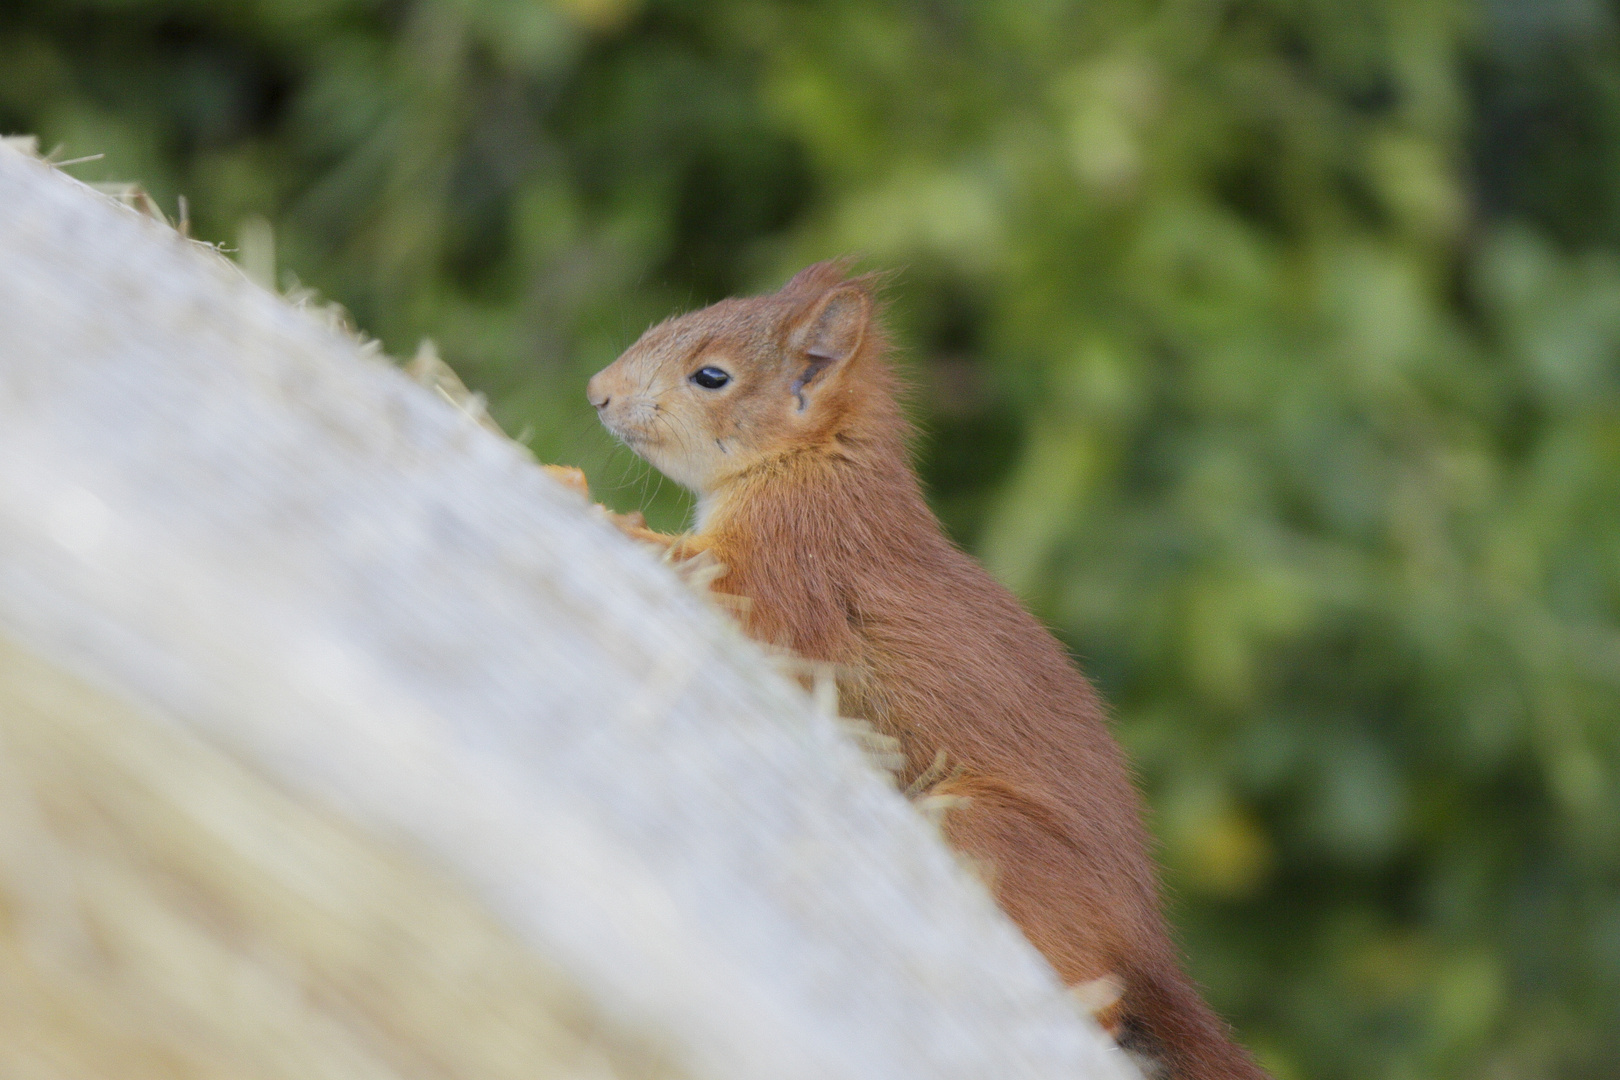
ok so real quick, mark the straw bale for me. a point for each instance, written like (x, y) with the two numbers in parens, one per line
(340, 740)
(165, 912)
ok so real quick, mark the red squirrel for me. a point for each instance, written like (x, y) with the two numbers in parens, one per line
(780, 413)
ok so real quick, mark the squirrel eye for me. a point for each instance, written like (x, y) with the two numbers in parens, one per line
(710, 378)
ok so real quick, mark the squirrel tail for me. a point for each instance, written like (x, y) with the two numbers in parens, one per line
(1174, 1035)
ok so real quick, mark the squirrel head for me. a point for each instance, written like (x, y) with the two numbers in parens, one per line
(708, 395)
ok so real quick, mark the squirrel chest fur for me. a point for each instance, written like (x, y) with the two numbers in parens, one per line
(780, 413)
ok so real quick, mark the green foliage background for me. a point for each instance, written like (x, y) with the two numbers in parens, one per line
(1270, 348)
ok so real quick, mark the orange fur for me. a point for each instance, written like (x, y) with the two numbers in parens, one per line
(808, 499)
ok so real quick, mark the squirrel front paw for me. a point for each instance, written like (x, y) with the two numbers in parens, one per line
(569, 477)
(634, 525)
(574, 479)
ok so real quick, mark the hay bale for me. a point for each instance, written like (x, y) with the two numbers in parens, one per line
(166, 912)
(340, 740)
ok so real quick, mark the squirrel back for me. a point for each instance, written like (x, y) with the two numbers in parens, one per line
(780, 412)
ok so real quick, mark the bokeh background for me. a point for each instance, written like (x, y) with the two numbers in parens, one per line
(1269, 348)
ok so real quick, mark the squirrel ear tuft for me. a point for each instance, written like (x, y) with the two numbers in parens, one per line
(817, 278)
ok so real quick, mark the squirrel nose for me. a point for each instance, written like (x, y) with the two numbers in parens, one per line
(595, 394)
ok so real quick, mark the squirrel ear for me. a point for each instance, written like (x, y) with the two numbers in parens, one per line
(831, 334)
(837, 325)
